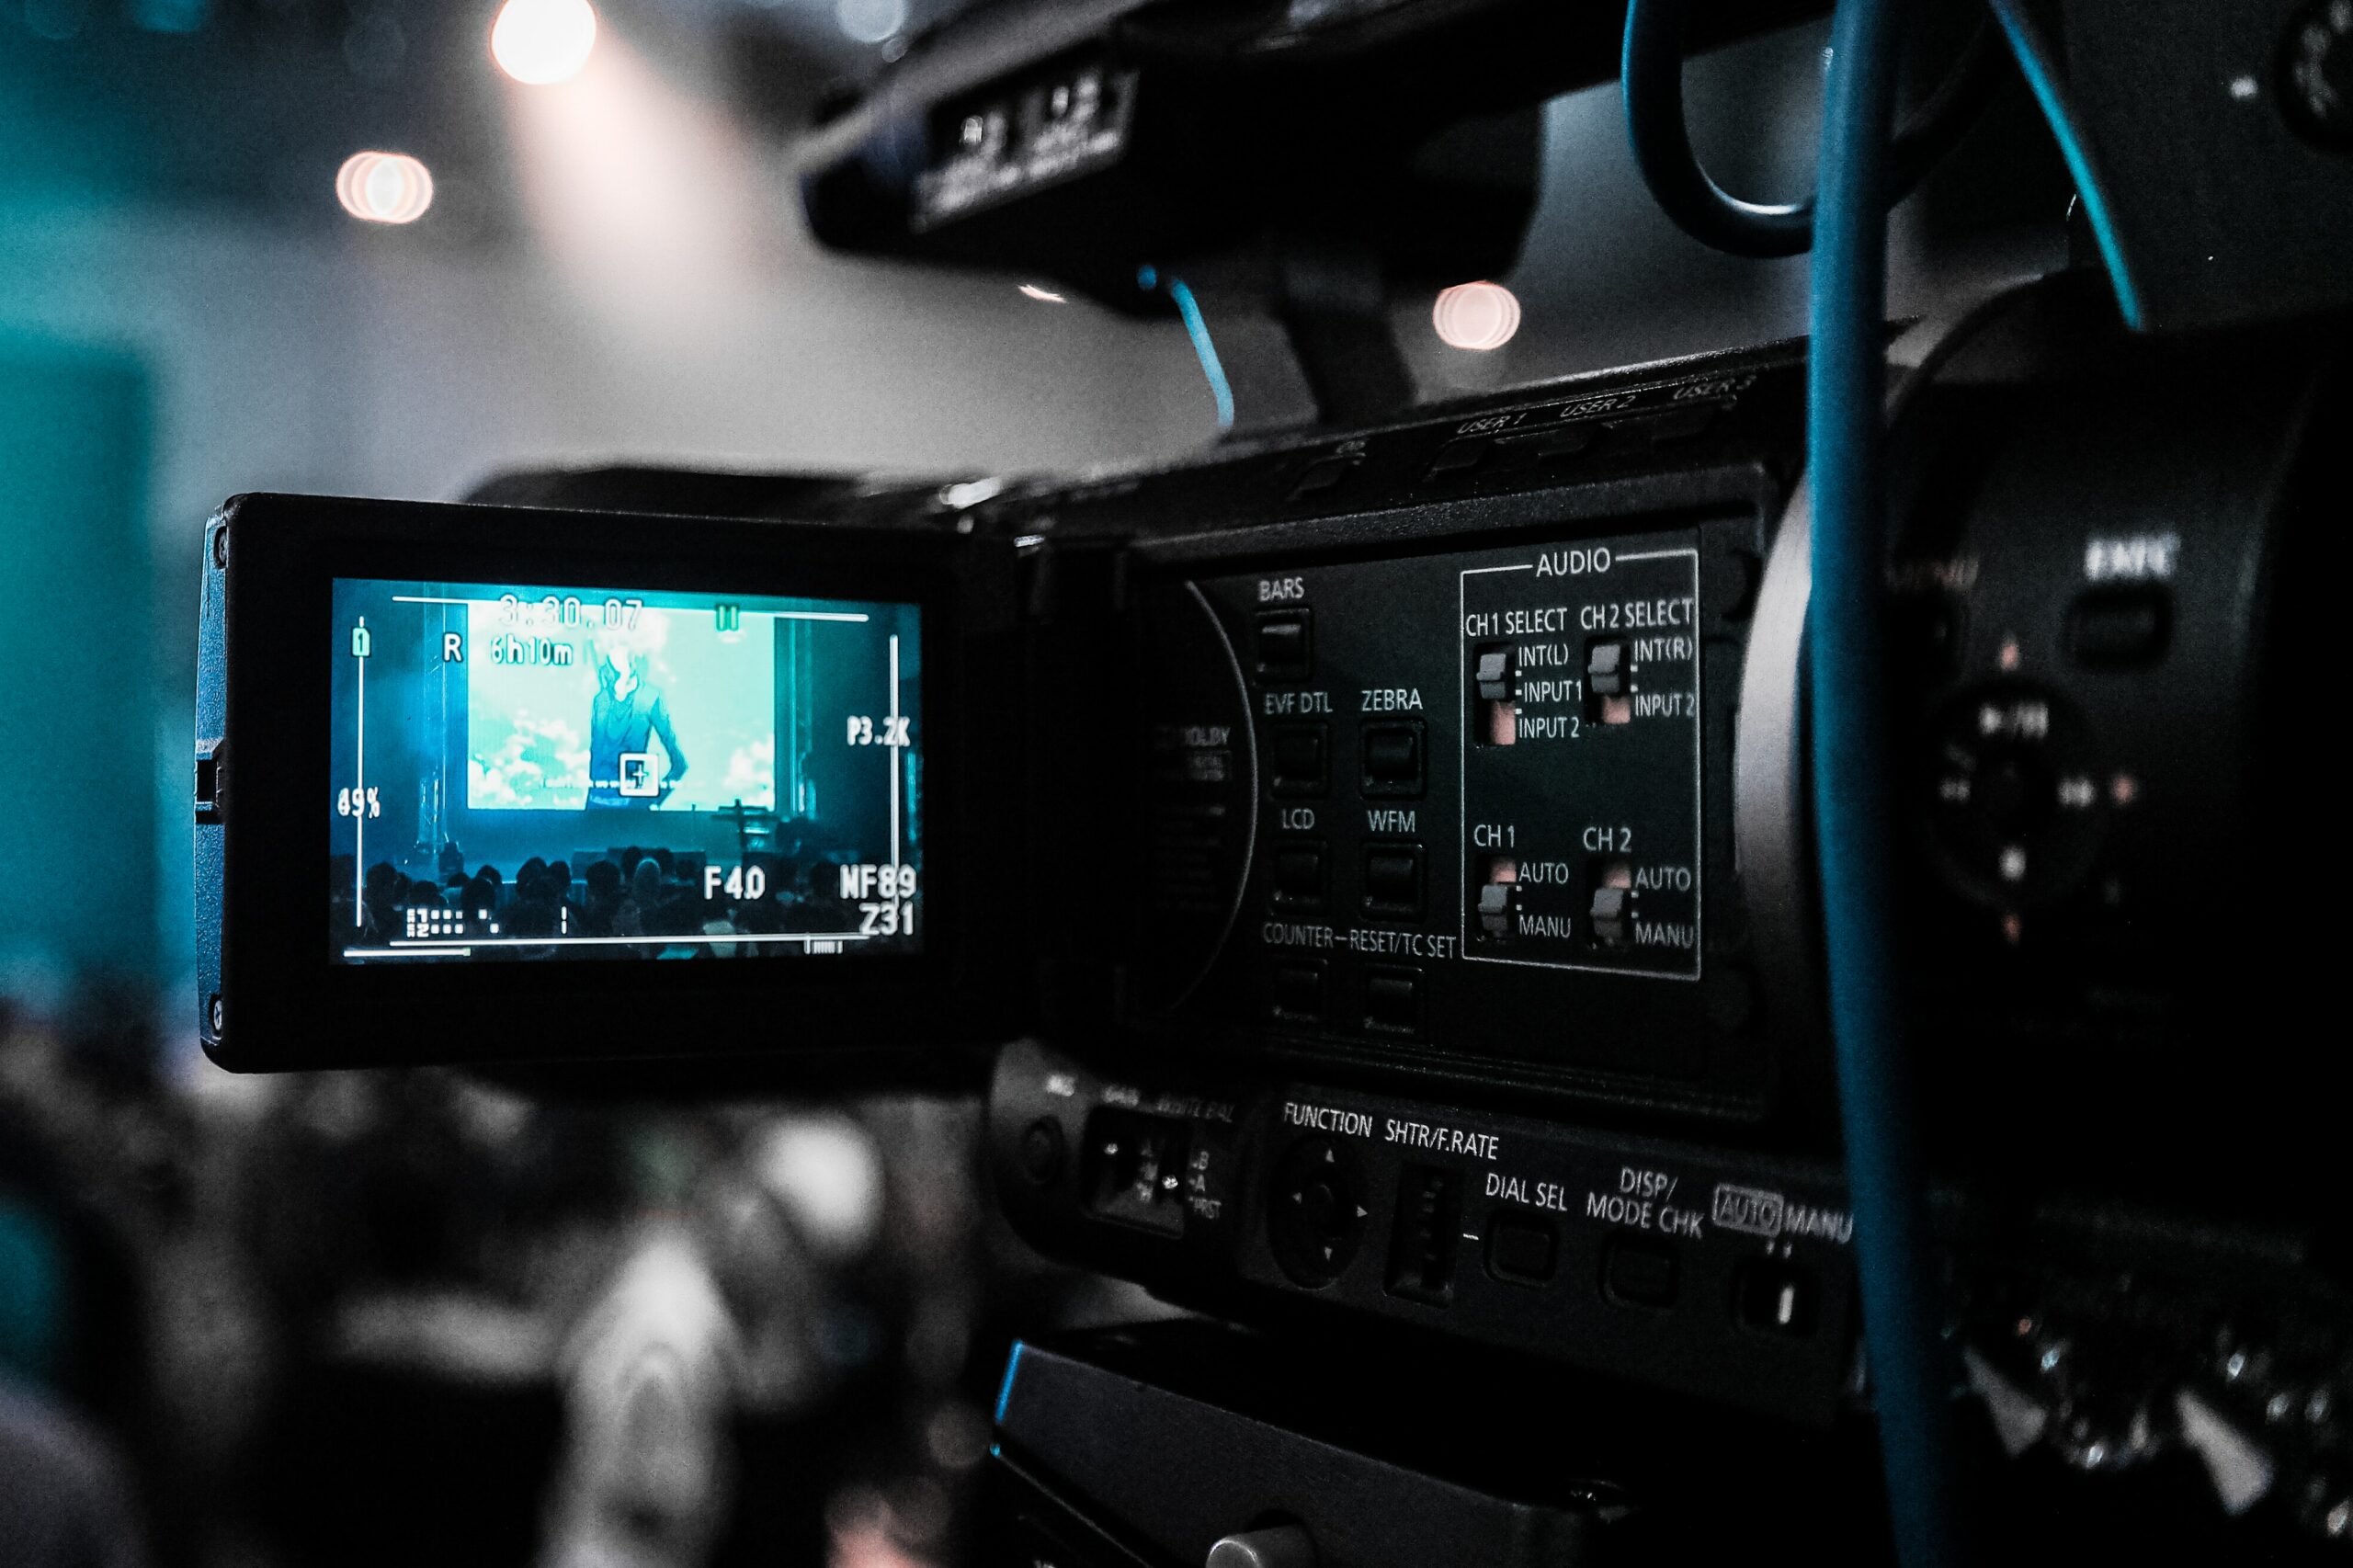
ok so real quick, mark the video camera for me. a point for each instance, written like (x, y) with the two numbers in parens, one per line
(1386, 837)
(1372, 869)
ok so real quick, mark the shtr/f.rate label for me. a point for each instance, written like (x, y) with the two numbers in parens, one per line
(1581, 756)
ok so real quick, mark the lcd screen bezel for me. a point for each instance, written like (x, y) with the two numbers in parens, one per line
(270, 663)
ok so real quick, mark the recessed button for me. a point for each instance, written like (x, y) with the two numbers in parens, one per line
(1392, 1001)
(1393, 879)
(1286, 645)
(1319, 477)
(1041, 1151)
(1925, 637)
(1295, 992)
(1520, 1249)
(1679, 423)
(1551, 446)
(1299, 876)
(1638, 1272)
(1297, 754)
(1458, 456)
(2114, 629)
(1392, 759)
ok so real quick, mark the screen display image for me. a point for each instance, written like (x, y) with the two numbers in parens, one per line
(528, 772)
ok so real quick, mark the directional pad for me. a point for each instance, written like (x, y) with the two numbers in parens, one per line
(1315, 1213)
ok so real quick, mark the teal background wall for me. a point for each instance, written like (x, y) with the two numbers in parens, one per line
(77, 718)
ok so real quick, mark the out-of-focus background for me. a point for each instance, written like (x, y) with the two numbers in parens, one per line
(401, 1318)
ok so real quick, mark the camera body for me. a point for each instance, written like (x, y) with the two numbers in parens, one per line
(1393, 850)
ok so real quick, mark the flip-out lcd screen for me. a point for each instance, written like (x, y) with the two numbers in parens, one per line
(596, 773)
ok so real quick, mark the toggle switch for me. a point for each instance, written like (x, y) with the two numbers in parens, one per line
(1496, 683)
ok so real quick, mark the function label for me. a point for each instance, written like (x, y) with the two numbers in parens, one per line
(1580, 755)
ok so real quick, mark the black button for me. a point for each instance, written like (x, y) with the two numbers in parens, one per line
(2111, 629)
(1775, 1297)
(1392, 759)
(1315, 1211)
(1299, 876)
(1393, 879)
(1639, 1272)
(1286, 644)
(1458, 456)
(1297, 754)
(1322, 476)
(1520, 1249)
(1680, 424)
(1551, 446)
(1041, 1151)
(1295, 992)
(1924, 636)
(1392, 1001)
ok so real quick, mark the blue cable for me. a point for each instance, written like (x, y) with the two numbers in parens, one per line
(1650, 77)
(1005, 1389)
(1206, 351)
(2033, 55)
(1846, 381)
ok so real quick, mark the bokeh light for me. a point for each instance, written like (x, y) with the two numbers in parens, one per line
(871, 21)
(542, 42)
(385, 188)
(1476, 316)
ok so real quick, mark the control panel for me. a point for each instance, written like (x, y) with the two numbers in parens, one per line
(1724, 1276)
(1490, 785)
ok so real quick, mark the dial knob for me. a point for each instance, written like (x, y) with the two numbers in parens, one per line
(2015, 795)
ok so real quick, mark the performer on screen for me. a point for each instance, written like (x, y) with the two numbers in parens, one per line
(628, 716)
